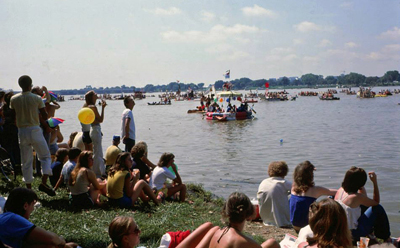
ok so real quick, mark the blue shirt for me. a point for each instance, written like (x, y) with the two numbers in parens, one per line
(299, 208)
(14, 229)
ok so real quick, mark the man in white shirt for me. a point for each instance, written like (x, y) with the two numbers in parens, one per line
(128, 124)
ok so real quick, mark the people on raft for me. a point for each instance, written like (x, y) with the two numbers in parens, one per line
(303, 193)
(365, 215)
(243, 107)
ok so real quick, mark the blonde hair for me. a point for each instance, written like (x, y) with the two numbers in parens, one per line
(118, 228)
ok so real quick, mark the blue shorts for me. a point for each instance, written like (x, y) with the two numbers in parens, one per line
(123, 202)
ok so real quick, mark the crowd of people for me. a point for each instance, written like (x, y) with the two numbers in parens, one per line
(125, 176)
(286, 204)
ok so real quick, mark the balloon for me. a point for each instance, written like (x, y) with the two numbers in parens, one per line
(234, 98)
(215, 99)
(266, 85)
(228, 100)
(239, 98)
(86, 116)
(221, 100)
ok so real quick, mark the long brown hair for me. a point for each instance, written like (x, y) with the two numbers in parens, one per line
(303, 177)
(328, 221)
(89, 98)
(119, 164)
(83, 162)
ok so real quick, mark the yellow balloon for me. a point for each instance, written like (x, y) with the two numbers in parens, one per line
(86, 116)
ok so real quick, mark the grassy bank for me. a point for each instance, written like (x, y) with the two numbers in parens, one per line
(89, 228)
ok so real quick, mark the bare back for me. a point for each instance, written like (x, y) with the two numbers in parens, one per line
(231, 238)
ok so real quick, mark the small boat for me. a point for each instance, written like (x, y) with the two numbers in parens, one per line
(229, 116)
(329, 98)
(191, 111)
(252, 100)
(159, 103)
(381, 95)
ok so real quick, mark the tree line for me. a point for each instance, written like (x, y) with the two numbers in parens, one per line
(307, 80)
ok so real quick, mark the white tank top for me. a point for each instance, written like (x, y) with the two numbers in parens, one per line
(352, 213)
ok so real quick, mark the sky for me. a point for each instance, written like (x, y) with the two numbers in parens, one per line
(68, 44)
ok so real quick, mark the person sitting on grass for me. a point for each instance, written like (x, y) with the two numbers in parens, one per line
(57, 165)
(140, 160)
(303, 193)
(273, 194)
(328, 223)
(15, 228)
(365, 215)
(123, 186)
(67, 168)
(159, 177)
(237, 209)
(85, 187)
(112, 152)
(124, 232)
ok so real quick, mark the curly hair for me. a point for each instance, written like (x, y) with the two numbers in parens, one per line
(138, 150)
(328, 221)
(303, 177)
(237, 208)
(278, 169)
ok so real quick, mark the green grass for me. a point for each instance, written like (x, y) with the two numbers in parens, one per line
(89, 228)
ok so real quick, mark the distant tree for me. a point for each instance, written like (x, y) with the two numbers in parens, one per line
(218, 84)
(310, 79)
(331, 80)
(200, 85)
(354, 79)
(284, 81)
(370, 81)
(391, 76)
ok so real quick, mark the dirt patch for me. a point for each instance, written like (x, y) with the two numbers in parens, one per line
(267, 232)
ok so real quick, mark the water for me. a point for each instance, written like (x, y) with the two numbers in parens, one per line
(230, 156)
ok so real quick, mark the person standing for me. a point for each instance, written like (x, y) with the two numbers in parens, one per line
(128, 124)
(99, 166)
(26, 106)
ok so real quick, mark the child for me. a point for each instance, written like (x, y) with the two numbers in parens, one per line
(273, 194)
(160, 175)
(68, 167)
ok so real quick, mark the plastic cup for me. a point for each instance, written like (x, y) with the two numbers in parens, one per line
(364, 242)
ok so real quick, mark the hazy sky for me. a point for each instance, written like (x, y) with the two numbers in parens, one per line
(67, 44)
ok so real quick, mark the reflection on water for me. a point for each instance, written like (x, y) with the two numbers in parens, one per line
(234, 155)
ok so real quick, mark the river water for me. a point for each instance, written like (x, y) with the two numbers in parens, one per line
(234, 156)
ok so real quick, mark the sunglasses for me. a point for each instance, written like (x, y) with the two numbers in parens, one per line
(136, 231)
